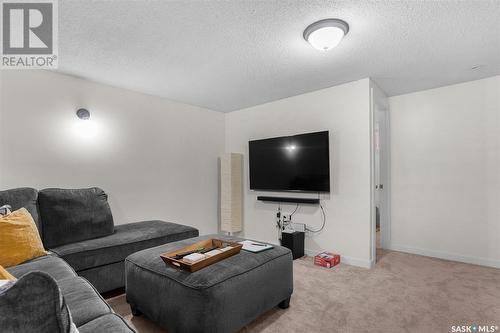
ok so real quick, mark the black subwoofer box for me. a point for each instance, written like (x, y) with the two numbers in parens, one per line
(295, 242)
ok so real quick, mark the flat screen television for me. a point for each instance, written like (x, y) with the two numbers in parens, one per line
(291, 163)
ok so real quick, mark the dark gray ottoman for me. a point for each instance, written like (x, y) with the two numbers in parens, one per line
(223, 297)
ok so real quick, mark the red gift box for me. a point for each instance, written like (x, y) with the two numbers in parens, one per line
(327, 259)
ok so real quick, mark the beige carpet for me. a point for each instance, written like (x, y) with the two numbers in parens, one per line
(403, 293)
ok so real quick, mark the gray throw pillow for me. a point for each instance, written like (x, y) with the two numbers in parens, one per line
(73, 215)
(34, 304)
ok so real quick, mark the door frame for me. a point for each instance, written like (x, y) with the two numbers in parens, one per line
(378, 102)
(385, 179)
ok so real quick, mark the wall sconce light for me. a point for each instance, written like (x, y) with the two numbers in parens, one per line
(85, 129)
(83, 114)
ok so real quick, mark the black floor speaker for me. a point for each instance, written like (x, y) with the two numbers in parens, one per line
(295, 242)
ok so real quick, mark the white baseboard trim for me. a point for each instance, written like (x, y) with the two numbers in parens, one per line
(345, 260)
(447, 256)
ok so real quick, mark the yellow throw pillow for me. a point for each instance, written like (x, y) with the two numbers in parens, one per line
(19, 238)
(4, 275)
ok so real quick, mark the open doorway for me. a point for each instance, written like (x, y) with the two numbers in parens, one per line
(381, 175)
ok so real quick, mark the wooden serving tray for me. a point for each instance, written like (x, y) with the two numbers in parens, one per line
(169, 257)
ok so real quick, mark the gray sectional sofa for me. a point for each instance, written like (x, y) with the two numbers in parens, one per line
(77, 227)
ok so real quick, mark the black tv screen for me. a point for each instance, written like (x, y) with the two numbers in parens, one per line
(291, 163)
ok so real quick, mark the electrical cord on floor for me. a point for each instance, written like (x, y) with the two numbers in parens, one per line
(324, 221)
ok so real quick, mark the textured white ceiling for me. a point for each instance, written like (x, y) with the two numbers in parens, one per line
(227, 55)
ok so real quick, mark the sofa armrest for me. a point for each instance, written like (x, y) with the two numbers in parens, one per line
(34, 304)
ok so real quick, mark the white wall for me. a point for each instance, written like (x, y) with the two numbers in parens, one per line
(343, 110)
(445, 155)
(157, 159)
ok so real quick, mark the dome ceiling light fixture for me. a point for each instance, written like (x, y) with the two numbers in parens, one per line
(326, 34)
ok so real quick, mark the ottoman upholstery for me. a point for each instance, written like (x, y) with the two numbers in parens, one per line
(222, 297)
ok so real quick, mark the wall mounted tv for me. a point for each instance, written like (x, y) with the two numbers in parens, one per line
(291, 163)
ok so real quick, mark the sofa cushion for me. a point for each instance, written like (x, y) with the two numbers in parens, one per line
(34, 304)
(84, 302)
(127, 239)
(72, 215)
(22, 197)
(105, 324)
(57, 268)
